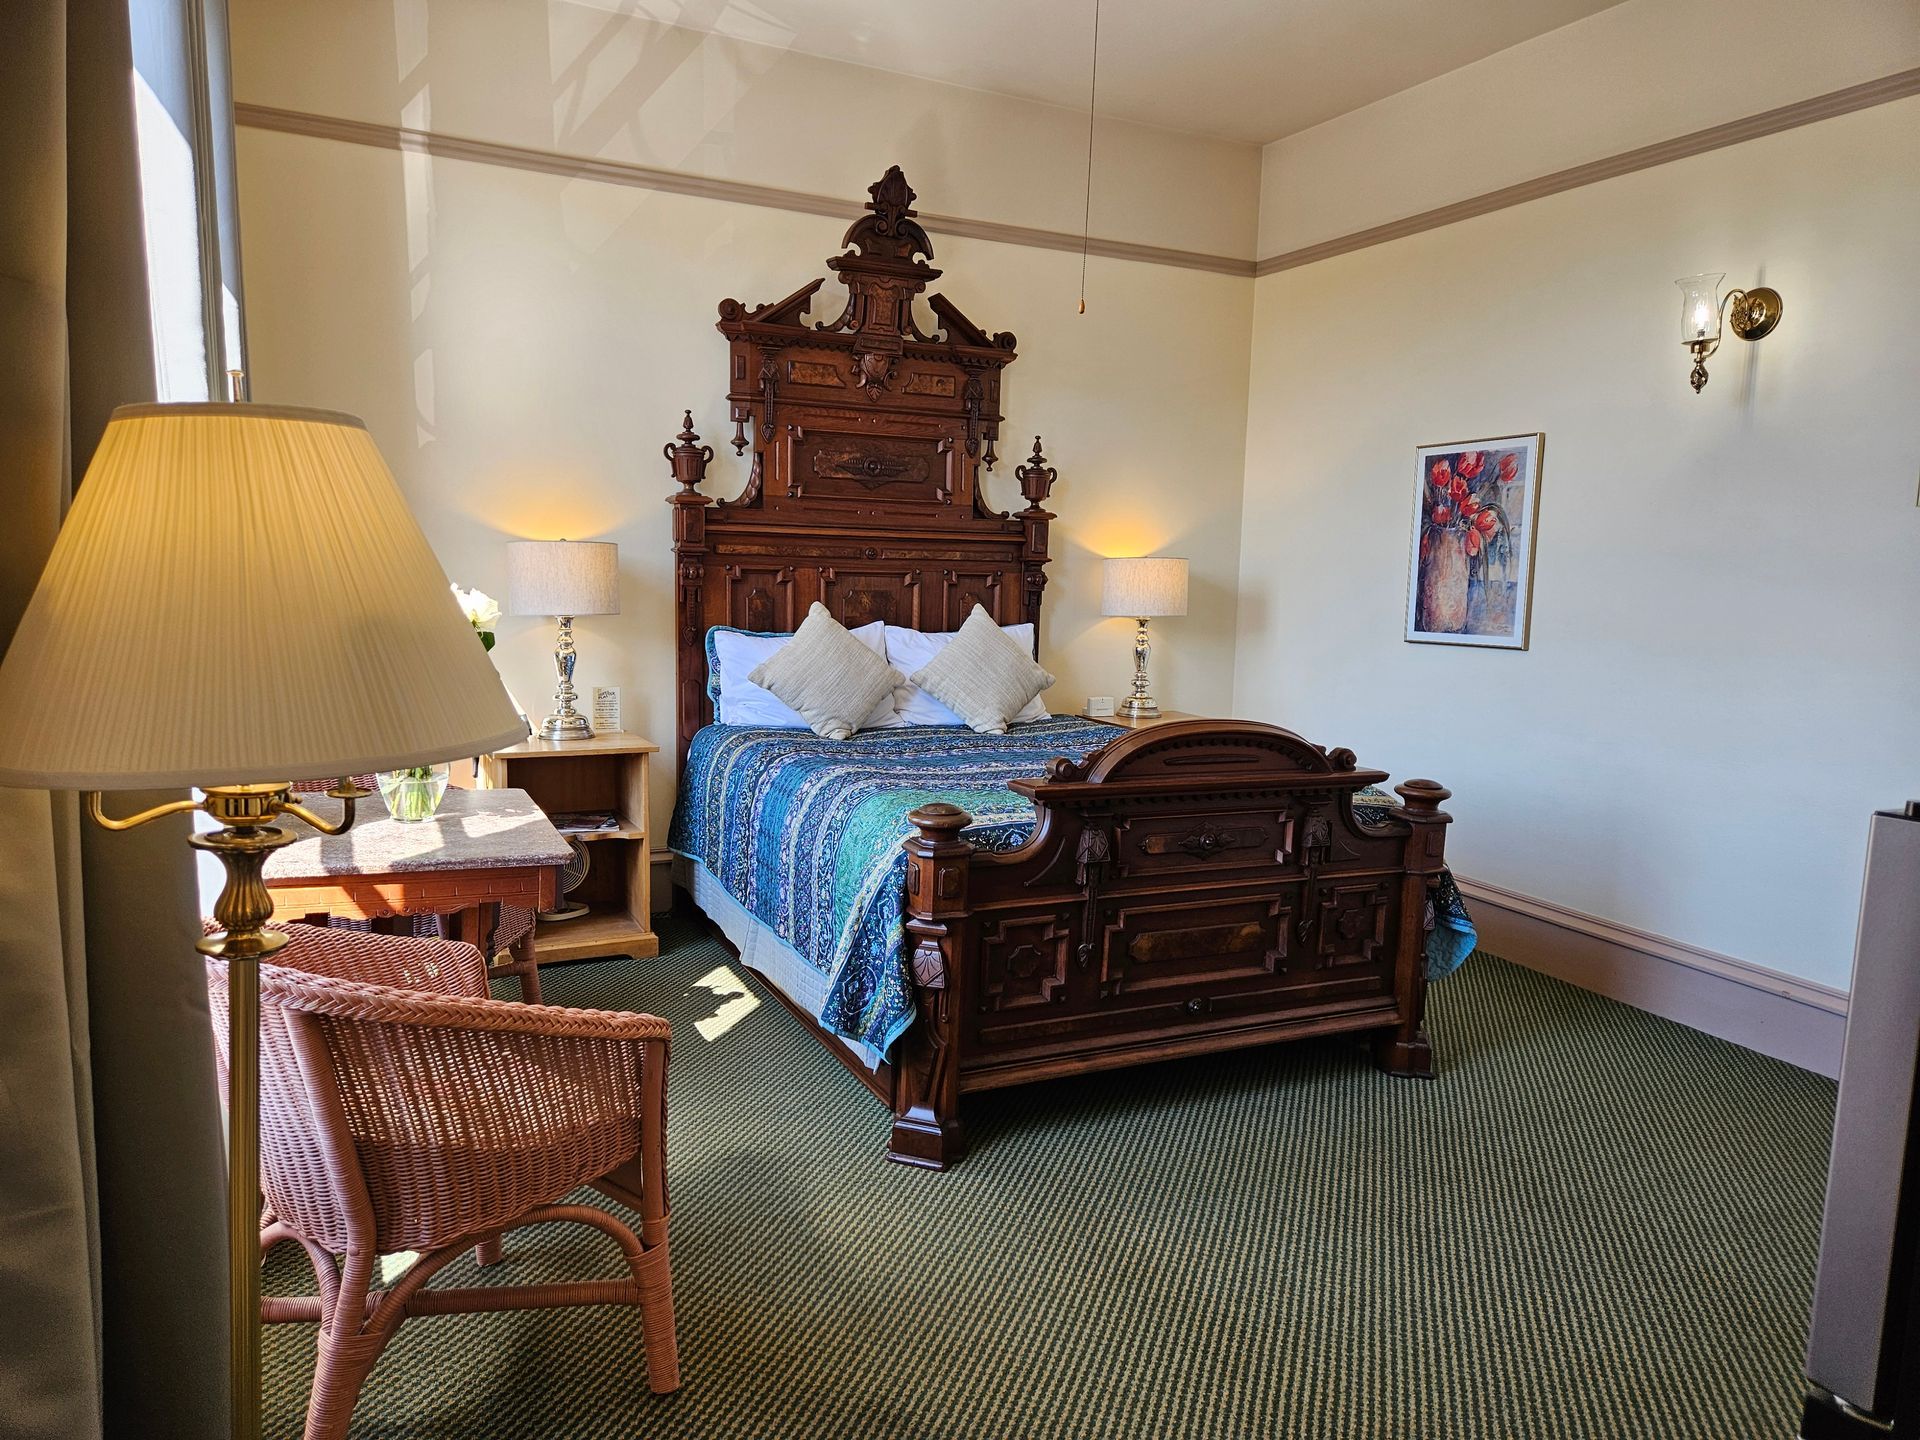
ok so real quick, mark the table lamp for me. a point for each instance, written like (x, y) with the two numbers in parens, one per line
(240, 599)
(563, 578)
(1143, 587)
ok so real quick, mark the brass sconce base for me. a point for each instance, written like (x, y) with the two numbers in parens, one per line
(1752, 314)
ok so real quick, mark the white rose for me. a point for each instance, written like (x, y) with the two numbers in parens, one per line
(482, 610)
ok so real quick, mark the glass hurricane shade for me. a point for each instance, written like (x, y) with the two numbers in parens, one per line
(240, 595)
(1144, 587)
(563, 577)
(1700, 307)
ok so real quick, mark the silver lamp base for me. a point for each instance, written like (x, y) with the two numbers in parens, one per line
(566, 725)
(1140, 704)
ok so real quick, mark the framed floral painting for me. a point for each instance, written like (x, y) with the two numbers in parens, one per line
(1473, 532)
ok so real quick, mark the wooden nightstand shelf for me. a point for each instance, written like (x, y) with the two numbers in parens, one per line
(608, 772)
(1164, 717)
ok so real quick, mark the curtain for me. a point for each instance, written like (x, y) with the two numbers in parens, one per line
(112, 1262)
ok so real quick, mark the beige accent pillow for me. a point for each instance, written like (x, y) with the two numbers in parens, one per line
(830, 677)
(982, 676)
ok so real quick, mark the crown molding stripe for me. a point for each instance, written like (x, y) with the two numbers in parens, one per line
(1897, 86)
(675, 182)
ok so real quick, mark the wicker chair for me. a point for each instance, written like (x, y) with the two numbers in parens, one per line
(512, 934)
(403, 1110)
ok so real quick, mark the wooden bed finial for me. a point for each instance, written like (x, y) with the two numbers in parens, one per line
(1036, 478)
(689, 460)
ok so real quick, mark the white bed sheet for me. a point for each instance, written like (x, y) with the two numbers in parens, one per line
(760, 946)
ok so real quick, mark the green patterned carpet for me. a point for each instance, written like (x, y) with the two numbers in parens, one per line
(1595, 1224)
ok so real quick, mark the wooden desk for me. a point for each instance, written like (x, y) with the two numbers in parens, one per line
(484, 848)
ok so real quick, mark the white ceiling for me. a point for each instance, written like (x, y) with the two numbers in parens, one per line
(1250, 70)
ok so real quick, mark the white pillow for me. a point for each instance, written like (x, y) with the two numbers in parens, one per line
(739, 653)
(910, 650)
(983, 675)
(827, 675)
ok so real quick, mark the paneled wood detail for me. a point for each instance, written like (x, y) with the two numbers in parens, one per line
(961, 590)
(759, 597)
(1024, 962)
(1351, 922)
(860, 595)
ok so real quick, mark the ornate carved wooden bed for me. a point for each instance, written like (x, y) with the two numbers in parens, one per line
(1194, 887)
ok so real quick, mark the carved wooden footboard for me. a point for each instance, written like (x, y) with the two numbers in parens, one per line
(1199, 886)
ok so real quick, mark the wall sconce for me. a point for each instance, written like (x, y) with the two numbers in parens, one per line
(1751, 314)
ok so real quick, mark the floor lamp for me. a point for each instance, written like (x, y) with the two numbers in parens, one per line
(240, 598)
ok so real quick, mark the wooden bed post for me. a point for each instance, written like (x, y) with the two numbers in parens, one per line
(1405, 1049)
(689, 459)
(926, 1104)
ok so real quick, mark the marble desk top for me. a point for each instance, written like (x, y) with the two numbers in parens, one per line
(473, 830)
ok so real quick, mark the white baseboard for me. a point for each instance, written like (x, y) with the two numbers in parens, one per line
(1790, 1019)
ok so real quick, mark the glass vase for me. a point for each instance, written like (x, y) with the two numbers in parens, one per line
(414, 794)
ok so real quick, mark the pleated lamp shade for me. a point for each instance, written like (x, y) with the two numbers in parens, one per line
(1144, 587)
(240, 595)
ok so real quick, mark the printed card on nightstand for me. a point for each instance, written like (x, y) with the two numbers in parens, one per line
(606, 708)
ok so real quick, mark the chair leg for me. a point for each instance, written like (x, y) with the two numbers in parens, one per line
(340, 1370)
(656, 1321)
(487, 1252)
(347, 1354)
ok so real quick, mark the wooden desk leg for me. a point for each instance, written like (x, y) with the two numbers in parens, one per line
(527, 967)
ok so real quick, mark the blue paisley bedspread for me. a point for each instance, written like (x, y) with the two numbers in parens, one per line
(805, 833)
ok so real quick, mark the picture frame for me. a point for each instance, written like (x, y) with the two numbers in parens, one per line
(1475, 525)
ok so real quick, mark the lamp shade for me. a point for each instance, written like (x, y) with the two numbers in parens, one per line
(1700, 307)
(563, 577)
(240, 594)
(1151, 585)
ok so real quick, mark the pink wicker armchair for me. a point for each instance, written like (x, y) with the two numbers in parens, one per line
(403, 1110)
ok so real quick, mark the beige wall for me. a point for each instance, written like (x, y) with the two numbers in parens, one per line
(521, 346)
(582, 80)
(1724, 678)
(1632, 75)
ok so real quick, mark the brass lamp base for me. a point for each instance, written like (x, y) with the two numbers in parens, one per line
(244, 907)
(1137, 707)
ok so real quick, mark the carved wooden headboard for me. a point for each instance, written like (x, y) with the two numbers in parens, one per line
(864, 490)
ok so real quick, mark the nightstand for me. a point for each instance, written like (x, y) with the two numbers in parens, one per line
(1143, 724)
(609, 772)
